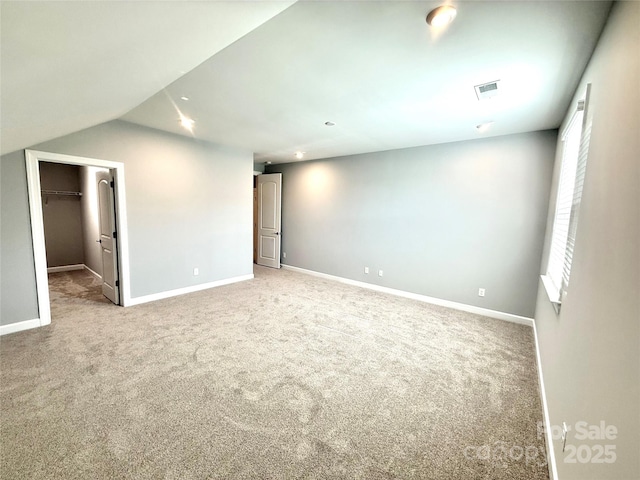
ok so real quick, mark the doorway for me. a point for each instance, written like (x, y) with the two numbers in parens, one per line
(120, 260)
(79, 221)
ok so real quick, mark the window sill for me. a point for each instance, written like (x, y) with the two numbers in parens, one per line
(552, 293)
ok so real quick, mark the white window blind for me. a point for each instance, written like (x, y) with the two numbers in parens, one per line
(575, 151)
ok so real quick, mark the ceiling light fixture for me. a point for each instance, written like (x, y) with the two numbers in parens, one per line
(441, 16)
(187, 122)
(300, 155)
(483, 127)
(185, 98)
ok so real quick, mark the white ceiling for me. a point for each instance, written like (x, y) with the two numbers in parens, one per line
(373, 67)
(383, 76)
(69, 65)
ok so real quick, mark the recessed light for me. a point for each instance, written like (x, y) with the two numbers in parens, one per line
(329, 124)
(441, 16)
(185, 98)
(483, 127)
(187, 122)
(300, 155)
(268, 162)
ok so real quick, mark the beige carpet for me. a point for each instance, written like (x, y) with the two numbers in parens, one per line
(283, 377)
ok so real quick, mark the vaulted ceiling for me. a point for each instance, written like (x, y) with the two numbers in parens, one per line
(69, 65)
(266, 76)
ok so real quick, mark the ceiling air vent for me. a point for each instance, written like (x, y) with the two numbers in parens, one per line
(487, 90)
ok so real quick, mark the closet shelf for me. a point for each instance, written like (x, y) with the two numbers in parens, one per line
(61, 192)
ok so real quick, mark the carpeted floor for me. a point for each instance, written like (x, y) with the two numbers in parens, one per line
(285, 376)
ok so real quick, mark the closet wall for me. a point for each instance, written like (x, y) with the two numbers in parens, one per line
(90, 216)
(62, 214)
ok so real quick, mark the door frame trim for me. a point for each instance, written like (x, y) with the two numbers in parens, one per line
(32, 158)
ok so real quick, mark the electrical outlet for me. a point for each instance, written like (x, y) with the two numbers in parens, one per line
(196, 271)
(284, 254)
(481, 292)
(366, 270)
(380, 273)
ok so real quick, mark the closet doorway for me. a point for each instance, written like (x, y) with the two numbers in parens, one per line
(78, 223)
(79, 220)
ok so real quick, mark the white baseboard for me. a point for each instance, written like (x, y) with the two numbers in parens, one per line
(551, 458)
(509, 317)
(66, 268)
(69, 268)
(20, 326)
(95, 274)
(181, 291)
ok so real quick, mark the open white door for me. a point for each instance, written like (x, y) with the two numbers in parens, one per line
(108, 239)
(269, 205)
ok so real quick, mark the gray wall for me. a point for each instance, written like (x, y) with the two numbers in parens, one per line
(90, 217)
(590, 351)
(17, 274)
(440, 221)
(258, 167)
(189, 205)
(62, 214)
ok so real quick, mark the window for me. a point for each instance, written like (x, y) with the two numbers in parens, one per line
(575, 140)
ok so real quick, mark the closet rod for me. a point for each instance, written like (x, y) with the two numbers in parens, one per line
(59, 192)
